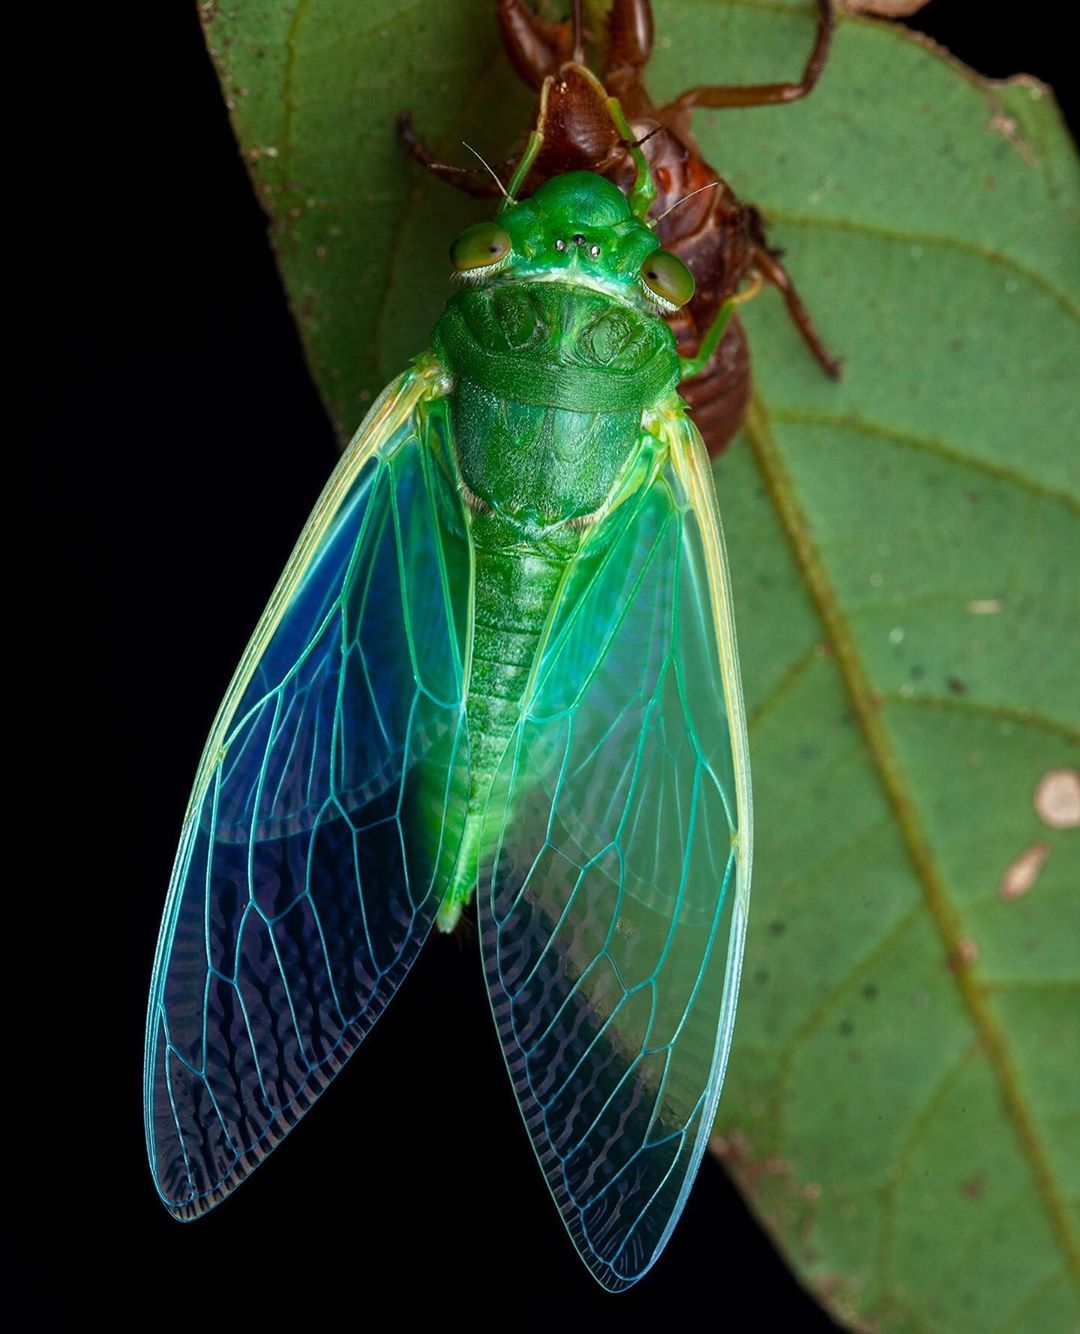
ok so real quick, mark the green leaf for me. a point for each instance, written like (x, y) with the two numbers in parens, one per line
(903, 1100)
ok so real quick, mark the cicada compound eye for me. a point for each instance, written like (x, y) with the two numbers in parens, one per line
(667, 279)
(480, 247)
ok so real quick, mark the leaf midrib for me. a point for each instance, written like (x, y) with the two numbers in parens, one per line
(862, 697)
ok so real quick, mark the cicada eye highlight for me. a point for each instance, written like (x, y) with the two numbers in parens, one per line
(667, 279)
(480, 247)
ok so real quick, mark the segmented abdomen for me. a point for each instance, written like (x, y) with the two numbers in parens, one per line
(514, 595)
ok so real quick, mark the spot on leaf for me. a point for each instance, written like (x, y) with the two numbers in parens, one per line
(1022, 873)
(1057, 799)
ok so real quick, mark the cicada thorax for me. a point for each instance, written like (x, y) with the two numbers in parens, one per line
(550, 383)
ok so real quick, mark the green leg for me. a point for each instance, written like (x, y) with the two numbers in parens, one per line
(644, 191)
(533, 147)
(693, 365)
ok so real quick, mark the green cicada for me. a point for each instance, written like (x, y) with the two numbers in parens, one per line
(499, 667)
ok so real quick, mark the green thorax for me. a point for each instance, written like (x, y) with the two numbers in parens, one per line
(551, 382)
(557, 343)
(556, 348)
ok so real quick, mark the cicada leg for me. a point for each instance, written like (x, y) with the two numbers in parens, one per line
(764, 94)
(537, 47)
(630, 43)
(676, 115)
(768, 265)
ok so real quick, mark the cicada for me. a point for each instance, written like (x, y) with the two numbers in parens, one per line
(498, 675)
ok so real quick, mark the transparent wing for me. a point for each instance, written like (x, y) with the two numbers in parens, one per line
(304, 884)
(613, 916)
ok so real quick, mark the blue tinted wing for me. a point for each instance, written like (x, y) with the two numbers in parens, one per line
(304, 884)
(614, 913)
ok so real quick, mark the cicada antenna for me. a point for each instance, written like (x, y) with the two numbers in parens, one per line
(700, 190)
(488, 168)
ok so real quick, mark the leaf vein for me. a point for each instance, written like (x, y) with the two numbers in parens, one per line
(928, 444)
(977, 248)
(1006, 713)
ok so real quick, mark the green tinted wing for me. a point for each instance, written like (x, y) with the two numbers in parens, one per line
(614, 913)
(306, 878)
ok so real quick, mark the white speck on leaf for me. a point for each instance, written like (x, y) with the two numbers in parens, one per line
(896, 635)
(1057, 799)
(986, 606)
(1022, 873)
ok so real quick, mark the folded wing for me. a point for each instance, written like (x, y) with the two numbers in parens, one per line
(304, 884)
(613, 916)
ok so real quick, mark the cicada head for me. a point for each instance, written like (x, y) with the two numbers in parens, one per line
(578, 229)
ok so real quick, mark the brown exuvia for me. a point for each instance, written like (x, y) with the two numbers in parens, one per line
(721, 239)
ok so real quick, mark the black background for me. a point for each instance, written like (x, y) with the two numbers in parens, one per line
(411, 1193)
